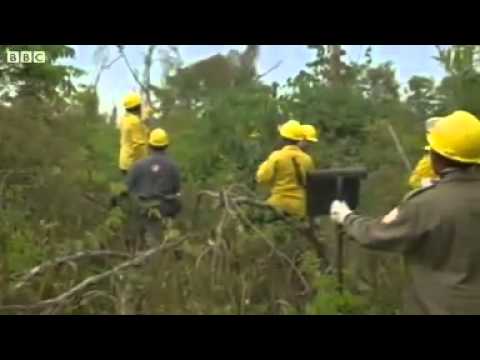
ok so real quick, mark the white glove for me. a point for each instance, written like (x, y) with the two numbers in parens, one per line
(339, 210)
(426, 182)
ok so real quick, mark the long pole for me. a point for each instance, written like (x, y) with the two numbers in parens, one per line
(399, 147)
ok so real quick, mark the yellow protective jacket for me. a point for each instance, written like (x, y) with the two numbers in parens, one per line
(133, 141)
(422, 171)
(285, 172)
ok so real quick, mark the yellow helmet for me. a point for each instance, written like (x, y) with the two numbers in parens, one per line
(132, 100)
(291, 130)
(310, 133)
(158, 138)
(457, 137)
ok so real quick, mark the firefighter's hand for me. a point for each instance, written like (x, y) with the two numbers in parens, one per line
(426, 182)
(339, 210)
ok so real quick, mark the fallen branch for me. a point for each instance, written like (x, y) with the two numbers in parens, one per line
(237, 212)
(66, 259)
(240, 200)
(62, 298)
(279, 253)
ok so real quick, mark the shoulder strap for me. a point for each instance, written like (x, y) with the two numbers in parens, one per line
(298, 172)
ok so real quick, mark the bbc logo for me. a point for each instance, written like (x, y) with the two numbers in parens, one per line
(26, 57)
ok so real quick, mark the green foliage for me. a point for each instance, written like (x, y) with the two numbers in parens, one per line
(422, 98)
(229, 119)
(45, 81)
(328, 301)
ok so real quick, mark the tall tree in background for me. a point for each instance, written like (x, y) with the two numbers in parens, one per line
(460, 88)
(422, 97)
(47, 83)
(214, 74)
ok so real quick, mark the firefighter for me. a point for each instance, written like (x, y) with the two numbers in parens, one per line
(437, 227)
(133, 133)
(285, 171)
(154, 185)
(423, 175)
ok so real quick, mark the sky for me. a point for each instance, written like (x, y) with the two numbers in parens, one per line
(408, 60)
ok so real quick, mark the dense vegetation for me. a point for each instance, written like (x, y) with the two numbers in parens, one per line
(58, 172)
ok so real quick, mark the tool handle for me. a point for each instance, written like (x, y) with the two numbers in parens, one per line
(339, 234)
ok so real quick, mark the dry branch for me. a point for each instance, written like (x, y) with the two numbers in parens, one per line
(66, 259)
(240, 200)
(144, 87)
(274, 249)
(269, 70)
(104, 67)
(68, 295)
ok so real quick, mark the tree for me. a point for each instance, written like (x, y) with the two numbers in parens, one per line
(380, 83)
(422, 98)
(460, 88)
(47, 82)
(217, 73)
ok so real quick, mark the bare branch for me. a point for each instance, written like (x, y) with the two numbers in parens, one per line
(146, 72)
(277, 65)
(66, 296)
(240, 200)
(236, 202)
(134, 74)
(279, 253)
(145, 87)
(67, 259)
(104, 67)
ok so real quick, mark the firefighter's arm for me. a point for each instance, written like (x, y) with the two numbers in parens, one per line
(266, 171)
(131, 179)
(310, 165)
(176, 180)
(398, 231)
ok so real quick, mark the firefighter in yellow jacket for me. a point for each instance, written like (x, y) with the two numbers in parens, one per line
(285, 171)
(133, 133)
(423, 175)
